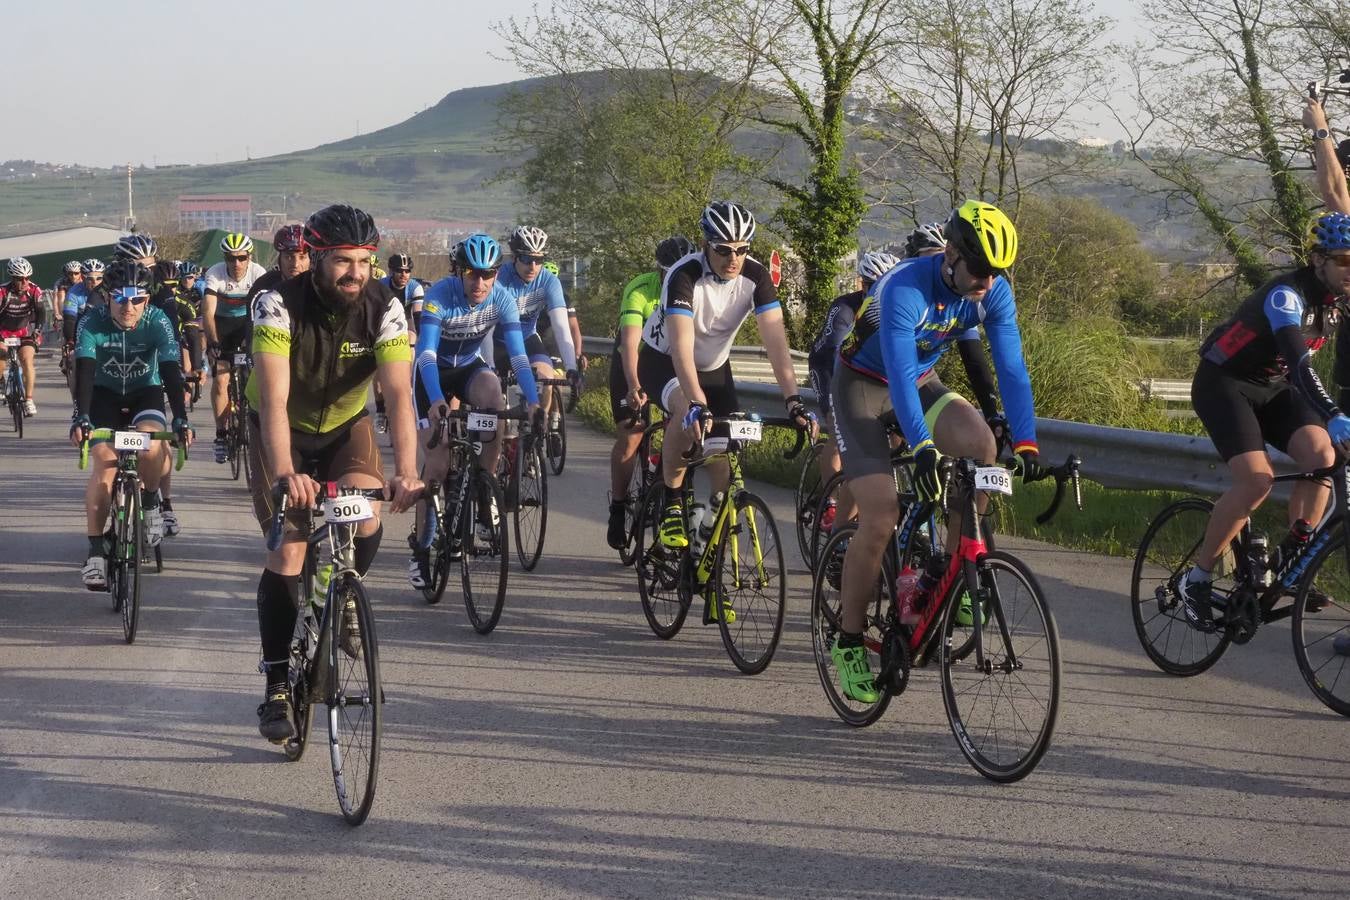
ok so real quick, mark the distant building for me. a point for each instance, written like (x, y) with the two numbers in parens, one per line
(228, 212)
(432, 233)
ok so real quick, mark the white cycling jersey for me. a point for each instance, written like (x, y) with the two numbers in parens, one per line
(718, 307)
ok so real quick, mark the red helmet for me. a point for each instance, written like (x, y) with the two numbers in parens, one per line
(289, 239)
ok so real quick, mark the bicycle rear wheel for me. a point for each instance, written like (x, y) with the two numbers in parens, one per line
(805, 499)
(1322, 635)
(826, 610)
(822, 522)
(557, 437)
(529, 514)
(751, 581)
(663, 573)
(1166, 552)
(632, 506)
(1002, 703)
(243, 448)
(355, 703)
(484, 557)
(303, 692)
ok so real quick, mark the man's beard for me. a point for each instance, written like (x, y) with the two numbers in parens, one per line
(328, 290)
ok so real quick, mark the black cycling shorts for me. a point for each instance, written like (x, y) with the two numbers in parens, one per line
(1243, 416)
(618, 391)
(656, 373)
(110, 409)
(454, 383)
(233, 334)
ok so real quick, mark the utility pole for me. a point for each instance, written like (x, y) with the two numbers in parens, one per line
(131, 215)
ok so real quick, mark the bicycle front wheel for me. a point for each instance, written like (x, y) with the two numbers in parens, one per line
(751, 585)
(1165, 554)
(1002, 699)
(822, 518)
(557, 437)
(129, 548)
(1321, 627)
(484, 552)
(529, 514)
(355, 701)
(235, 440)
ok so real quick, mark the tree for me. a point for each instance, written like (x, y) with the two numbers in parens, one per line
(1218, 96)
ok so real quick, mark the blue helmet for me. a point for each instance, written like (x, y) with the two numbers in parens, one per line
(1331, 231)
(478, 251)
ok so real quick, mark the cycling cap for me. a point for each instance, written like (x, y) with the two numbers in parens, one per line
(341, 227)
(673, 249)
(236, 243)
(928, 236)
(875, 263)
(20, 268)
(529, 240)
(726, 221)
(478, 251)
(73, 266)
(1331, 231)
(400, 261)
(289, 239)
(980, 231)
(136, 246)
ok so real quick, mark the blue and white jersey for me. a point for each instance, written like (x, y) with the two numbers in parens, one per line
(453, 330)
(533, 298)
(77, 298)
(911, 318)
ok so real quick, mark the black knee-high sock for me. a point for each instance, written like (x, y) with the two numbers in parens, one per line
(365, 550)
(278, 600)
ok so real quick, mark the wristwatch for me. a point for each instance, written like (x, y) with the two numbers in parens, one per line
(1320, 134)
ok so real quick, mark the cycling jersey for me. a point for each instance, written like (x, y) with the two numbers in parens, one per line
(534, 298)
(126, 360)
(410, 295)
(917, 319)
(839, 319)
(717, 306)
(20, 309)
(233, 295)
(165, 301)
(333, 354)
(189, 306)
(1274, 333)
(453, 332)
(640, 299)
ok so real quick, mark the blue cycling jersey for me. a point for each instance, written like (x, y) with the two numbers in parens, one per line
(77, 298)
(545, 292)
(452, 333)
(919, 319)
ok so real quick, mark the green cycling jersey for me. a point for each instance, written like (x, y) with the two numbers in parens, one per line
(641, 296)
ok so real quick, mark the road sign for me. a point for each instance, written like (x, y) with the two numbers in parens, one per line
(775, 268)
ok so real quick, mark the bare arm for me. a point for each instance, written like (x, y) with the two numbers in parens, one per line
(1331, 183)
(681, 331)
(630, 342)
(395, 379)
(774, 335)
(575, 326)
(209, 326)
(273, 374)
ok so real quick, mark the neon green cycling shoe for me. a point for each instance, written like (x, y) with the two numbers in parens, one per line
(712, 611)
(855, 676)
(963, 615)
(672, 531)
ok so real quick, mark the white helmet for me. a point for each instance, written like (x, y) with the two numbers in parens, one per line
(73, 266)
(875, 263)
(726, 221)
(92, 266)
(529, 240)
(20, 268)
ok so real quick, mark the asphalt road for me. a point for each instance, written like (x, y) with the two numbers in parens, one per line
(571, 753)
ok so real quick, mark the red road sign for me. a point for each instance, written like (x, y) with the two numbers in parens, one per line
(775, 268)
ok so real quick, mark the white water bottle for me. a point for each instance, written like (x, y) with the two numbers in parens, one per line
(691, 523)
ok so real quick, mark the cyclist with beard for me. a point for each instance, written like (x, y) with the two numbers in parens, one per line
(318, 341)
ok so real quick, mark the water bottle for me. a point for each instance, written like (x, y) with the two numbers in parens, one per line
(512, 401)
(691, 525)
(1259, 556)
(323, 573)
(905, 585)
(705, 524)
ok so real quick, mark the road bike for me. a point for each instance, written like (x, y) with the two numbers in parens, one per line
(555, 439)
(236, 425)
(736, 567)
(646, 472)
(124, 541)
(334, 655)
(986, 623)
(1252, 586)
(15, 392)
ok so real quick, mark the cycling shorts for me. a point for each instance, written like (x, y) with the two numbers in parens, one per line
(618, 391)
(656, 373)
(1243, 416)
(534, 349)
(28, 337)
(110, 409)
(233, 334)
(862, 412)
(347, 450)
(454, 383)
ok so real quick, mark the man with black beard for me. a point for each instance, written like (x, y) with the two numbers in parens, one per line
(318, 341)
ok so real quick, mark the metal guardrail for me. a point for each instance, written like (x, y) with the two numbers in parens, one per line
(1113, 457)
(1168, 390)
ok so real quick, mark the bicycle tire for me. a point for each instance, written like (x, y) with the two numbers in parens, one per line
(818, 536)
(484, 562)
(355, 708)
(302, 692)
(805, 499)
(1326, 671)
(134, 535)
(825, 613)
(113, 538)
(1169, 640)
(529, 512)
(243, 449)
(17, 409)
(439, 558)
(233, 451)
(743, 581)
(663, 574)
(557, 438)
(632, 503)
(1030, 626)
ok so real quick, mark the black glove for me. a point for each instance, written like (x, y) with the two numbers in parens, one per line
(181, 428)
(82, 427)
(1028, 466)
(573, 382)
(927, 481)
(798, 412)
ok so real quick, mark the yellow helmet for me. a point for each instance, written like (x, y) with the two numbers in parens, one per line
(236, 243)
(981, 231)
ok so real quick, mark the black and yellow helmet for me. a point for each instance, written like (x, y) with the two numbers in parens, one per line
(981, 232)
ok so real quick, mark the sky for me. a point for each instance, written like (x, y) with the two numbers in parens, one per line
(255, 79)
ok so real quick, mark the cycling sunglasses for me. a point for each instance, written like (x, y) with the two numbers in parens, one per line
(1340, 259)
(728, 250)
(980, 268)
(134, 295)
(531, 260)
(484, 274)
(236, 258)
